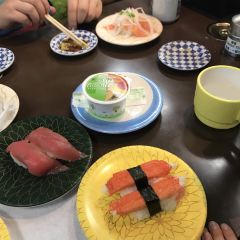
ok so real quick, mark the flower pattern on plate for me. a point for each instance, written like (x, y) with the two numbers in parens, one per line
(21, 189)
(185, 223)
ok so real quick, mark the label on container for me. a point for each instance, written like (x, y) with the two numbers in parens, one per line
(136, 97)
(233, 46)
(106, 87)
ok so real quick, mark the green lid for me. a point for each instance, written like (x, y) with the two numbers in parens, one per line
(106, 87)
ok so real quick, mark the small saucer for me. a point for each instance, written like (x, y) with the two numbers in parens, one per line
(6, 59)
(9, 106)
(135, 116)
(86, 36)
(184, 55)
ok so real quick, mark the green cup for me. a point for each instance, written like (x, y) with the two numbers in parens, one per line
(217, 97)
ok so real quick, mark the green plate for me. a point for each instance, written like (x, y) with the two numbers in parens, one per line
(21, 189)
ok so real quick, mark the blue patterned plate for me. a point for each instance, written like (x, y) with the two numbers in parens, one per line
(184, 55)
(6, 59)
(125, 124)
(87, 36)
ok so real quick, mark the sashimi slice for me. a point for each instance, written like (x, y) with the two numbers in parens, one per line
(167, 189)
(123, 179)
(54, 144)
(143, 29)
(32, 158)
(138, 30)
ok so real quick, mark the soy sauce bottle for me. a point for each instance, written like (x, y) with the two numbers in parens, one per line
(232, 45)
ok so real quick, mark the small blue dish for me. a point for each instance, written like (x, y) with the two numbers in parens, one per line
(6, 59)
(89, 37)
(111, 127)
(184, 55)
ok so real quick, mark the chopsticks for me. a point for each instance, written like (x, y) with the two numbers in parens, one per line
(66, 31)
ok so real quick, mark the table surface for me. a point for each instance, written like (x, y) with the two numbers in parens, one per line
(44, 83)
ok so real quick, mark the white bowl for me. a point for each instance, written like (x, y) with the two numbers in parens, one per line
(106, 94)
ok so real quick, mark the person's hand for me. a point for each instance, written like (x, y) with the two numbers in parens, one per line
(83, 11)
(216, 232)
(26, 12)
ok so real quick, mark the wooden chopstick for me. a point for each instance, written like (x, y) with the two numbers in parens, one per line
(66, 31)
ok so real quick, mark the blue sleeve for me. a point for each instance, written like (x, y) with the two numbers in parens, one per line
(5, 32)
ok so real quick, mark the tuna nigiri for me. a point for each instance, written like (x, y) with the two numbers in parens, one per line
(54, 144)
(31, 157)
(137, 177)
(162, 195)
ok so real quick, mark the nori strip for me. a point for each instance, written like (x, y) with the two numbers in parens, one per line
(151, 199)
(139, 177)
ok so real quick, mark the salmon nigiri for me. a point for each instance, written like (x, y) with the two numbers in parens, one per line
(162, 195)
(31, 157)
(137, 177)
(54, 144)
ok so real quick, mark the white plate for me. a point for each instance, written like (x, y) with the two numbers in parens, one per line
(6, 59)
(87, 36)
(9, 106)
(122, 41)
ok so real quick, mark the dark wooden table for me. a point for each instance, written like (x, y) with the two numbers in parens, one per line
(44, 83)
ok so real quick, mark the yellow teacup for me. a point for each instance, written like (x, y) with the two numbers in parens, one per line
(217, 97)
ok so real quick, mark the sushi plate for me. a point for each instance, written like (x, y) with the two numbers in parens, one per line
(21, 189)
(4, 234)
(123, 41)
(89, 37)
(6, 59)
(9, 106)
(137, 114)
(184, 55)
(185, 223)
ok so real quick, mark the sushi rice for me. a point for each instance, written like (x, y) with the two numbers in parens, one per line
(167, 205)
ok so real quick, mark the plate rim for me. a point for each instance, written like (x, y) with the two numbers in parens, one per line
(181, 69)
(89, 162)
(100, 161)
(4, 232)
(97, 29)
(17, 107)
(11, 63)
(78, 53)
(153, 115)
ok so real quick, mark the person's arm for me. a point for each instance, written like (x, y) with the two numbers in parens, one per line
(83, 11)
(25, 12)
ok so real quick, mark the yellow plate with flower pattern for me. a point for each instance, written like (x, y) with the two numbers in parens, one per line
(4, 235)
(185, 223)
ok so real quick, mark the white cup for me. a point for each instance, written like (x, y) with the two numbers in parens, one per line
(166, 10)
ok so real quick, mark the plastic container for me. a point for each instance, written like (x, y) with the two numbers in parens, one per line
(166, 10)
(106, 94)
